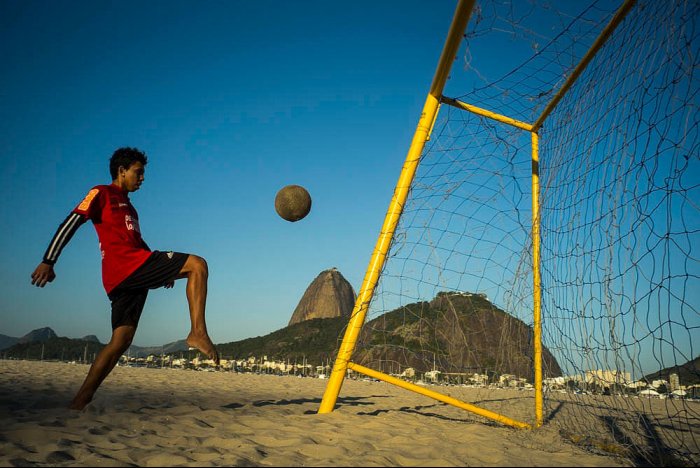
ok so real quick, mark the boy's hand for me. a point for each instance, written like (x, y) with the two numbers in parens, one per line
(43, 274)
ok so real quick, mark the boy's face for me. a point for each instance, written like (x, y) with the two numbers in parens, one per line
(132, 178)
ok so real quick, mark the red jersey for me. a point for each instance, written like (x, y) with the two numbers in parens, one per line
(117, 225)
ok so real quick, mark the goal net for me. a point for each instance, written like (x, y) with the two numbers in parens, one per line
(609, 251)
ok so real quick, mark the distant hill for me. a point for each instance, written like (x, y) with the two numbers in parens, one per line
(453, 332)
(456, 333)
(7, 341)
(688, 373)
(31, 346)
(38, 335)
(57, 348)
(315, 340)
(143, 351)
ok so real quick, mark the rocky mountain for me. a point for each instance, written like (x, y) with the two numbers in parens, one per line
(330, 295)
(454, 332)
(40, 334)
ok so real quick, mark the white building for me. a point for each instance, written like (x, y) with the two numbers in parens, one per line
(639, 384)
(655, 384)
(510, 380)
(649, 393)
(607, 377)
(674, 382)
(479, 379)
(555, 382)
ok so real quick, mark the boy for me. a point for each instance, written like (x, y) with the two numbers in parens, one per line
(129, 267)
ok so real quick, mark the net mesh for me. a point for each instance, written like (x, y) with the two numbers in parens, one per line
(620, 230)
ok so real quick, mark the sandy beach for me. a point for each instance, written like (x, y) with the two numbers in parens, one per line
(169, 417)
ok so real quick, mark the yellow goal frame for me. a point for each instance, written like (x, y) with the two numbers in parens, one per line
(422, 134)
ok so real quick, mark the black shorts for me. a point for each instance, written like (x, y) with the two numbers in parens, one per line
(129, 297)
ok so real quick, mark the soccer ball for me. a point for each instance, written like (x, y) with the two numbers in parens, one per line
(293, 203)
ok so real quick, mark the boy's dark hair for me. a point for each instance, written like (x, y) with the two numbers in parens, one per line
(125, 157)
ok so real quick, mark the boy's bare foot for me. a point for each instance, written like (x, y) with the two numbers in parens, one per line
(79, 402)
(204, 344)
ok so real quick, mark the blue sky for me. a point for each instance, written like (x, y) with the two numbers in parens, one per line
(230, 101)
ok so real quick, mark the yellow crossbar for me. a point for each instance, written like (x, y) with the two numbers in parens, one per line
(485, 113)
(437, 396)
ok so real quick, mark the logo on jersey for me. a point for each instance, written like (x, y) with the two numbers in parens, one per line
(85, 204)
(132, 223)
(170, 255)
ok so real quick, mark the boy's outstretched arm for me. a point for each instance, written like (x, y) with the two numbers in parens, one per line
(44, 273)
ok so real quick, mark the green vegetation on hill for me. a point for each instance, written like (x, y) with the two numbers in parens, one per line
(458, 333)
(461, 333)
(58, 348)
(315, 340)
(688, 373)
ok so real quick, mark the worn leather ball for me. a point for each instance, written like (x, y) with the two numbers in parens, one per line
(293, 203)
